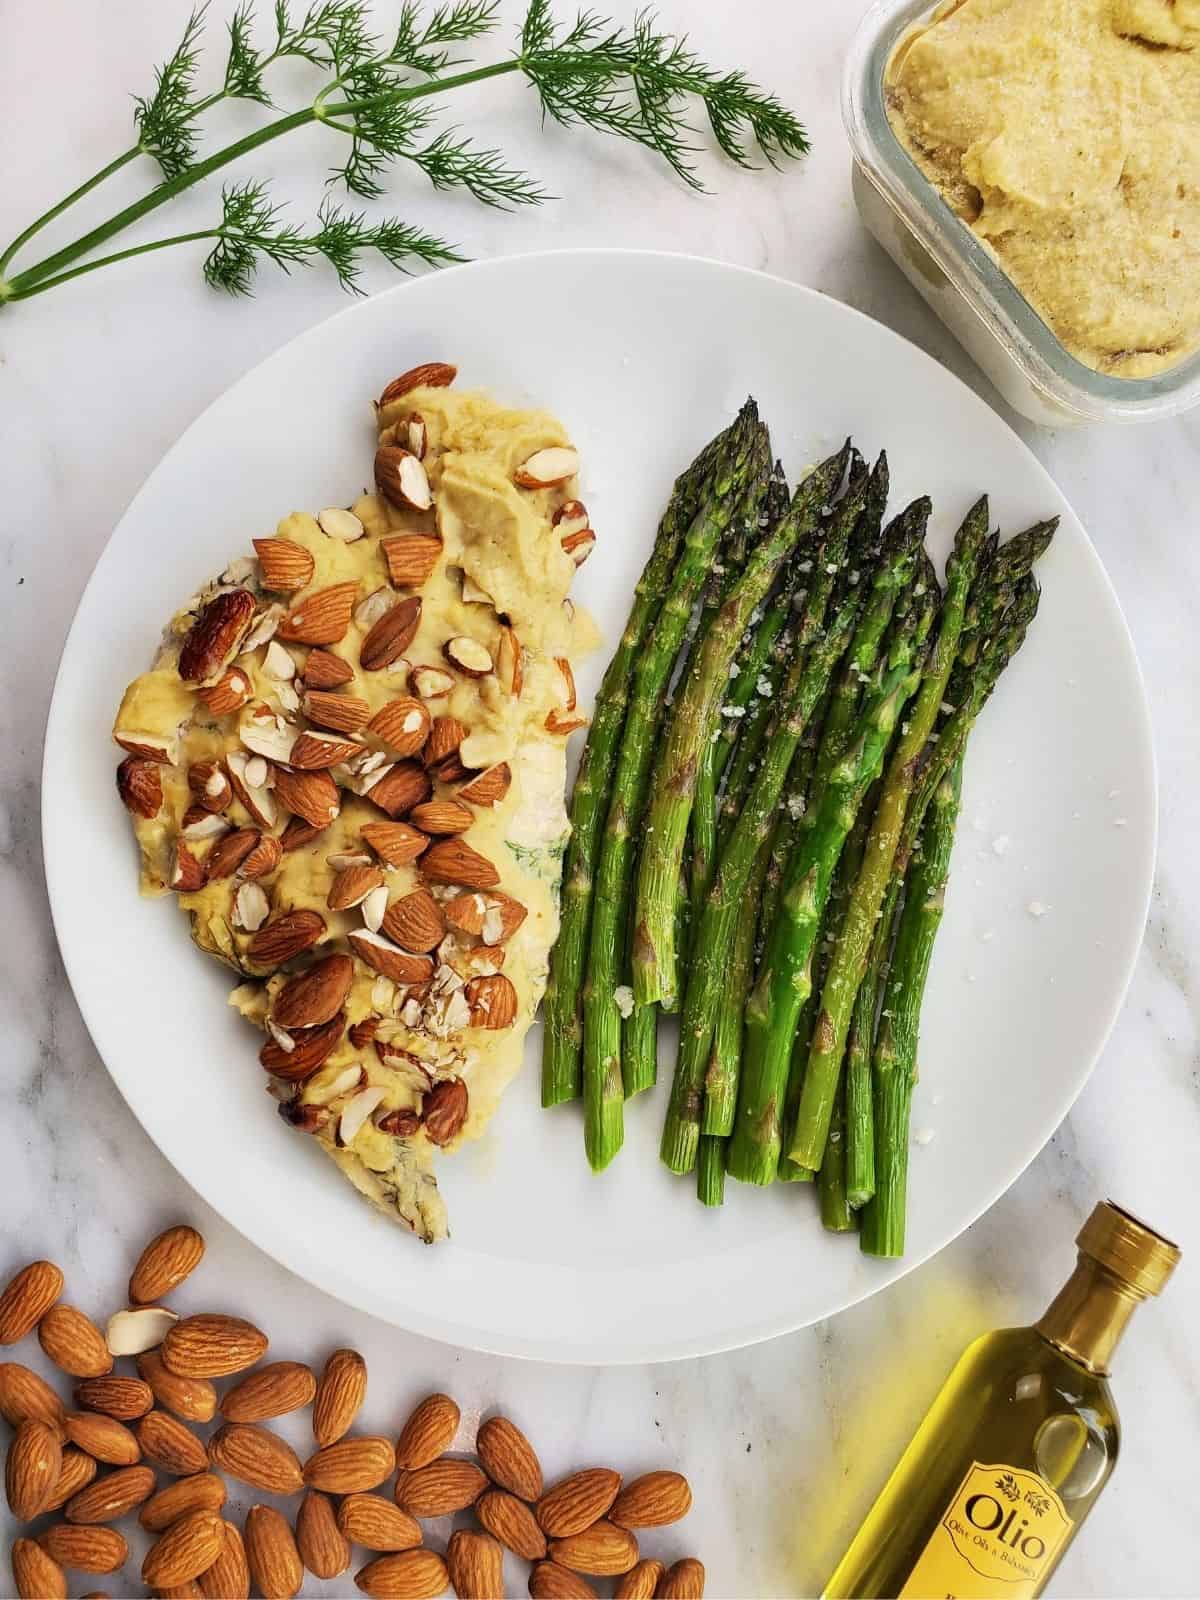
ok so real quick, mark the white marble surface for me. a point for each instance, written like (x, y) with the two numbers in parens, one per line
(787, 1443)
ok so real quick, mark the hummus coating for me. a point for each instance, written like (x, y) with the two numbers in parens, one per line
(502, 538)
(1066, 135)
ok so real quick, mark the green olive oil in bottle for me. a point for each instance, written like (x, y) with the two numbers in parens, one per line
(1016, 1448)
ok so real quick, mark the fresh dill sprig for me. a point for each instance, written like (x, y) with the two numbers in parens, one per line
(251, 229)
(164, 127)
(379, 94)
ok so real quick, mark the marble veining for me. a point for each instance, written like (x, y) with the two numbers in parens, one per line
(786, 1443)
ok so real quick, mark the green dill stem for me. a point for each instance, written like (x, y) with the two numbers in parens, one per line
(47, 217)
(71, 253)
(107, 261)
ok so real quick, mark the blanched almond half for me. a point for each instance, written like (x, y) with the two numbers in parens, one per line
(417, 435)
(263, 631)
(200, 824)
(356, 1112)
(251, 908)
(264, 734)
(374, 908)
(132, 1333)
(468, 655)
(278, 663)
(341, 525)
(400, 478)
(254, 795)
(546, 469)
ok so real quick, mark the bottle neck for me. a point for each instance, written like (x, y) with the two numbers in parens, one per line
(1088, 1315)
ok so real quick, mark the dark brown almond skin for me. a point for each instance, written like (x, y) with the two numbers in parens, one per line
(311, 1049)
(286, 936)
(139, 784)
(445, 1110)
(215, 635)
(429, 375)
(313, 997)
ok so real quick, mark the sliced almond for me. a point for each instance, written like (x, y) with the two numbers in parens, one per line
(209, 782)
(321, 618)
(254, 795)
(267, 735)
(352, 886)
(412, 1072)
(401, 478)
(568, 677)
(341, 525)
(318, 752)
(546, 469)
(306, 1049)
(228, 694)
(468, 655)
(571, 517)
(324, 670)
(374, 908)
(579, 546)
(473, 594)
(199, 824)
(430, 375)
(356, 1113)
(311, 795)
(227, 855)
(263, 631)
(150, 746)
(510, 662)
(251, 908)
(417, 435)
(383, 955)
(411, 558)
(564, 722)
(489, 787)
(415, 921)
(279, 663)
(491, 916)
(443, 1114)
(431, 683)
(187, 870)
(391, 636)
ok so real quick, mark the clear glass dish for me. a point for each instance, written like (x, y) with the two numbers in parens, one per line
(958, 277)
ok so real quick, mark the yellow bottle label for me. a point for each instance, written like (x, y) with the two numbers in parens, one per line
(998, 1537)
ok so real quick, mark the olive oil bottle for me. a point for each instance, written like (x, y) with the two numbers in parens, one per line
(1016, 1448)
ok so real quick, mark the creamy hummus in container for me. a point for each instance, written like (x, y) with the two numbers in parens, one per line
(1066, 135)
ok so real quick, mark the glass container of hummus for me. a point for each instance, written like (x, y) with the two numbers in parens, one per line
(1085, 346)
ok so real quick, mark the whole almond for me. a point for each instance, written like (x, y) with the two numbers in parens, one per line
(441, 1488)
(324, 670)
(26, 1397)
(165, 1262)
(78, 1470)
(85, 1548)
(397, 843)
(139, 784)
(396, 793)
(171, 1444)
(311, 795)
(74, 1342)
(190, 1590)
(123, 1398)
(640, 1582)
(410, 1575)
(576, 1502)
(257, 1457)
(415, 921)
(271, 1554)
(341, 1390)
(27, 1297)
(493, 1001)
(322, 617)
(377, 1524)
(31, 1469)
(35, 1575)
(429, 375)
(212, 1345)
(286, 565)
(512, 1522)
(184, 1550)
(391, 635)
(344, 713)
(508, 1457)
(549, 1581)
(194, 1399)
(428, 1433)
(603, 1550)
(203, 1492)
(272, 1391)
(411, 558)
(103, 1437)
(652, 1501)
(312, 997)
(489, 787)
(111, 1497)
(229, 1576)
(453, 860)
(476, 1566)
(283, 938)
(683, 1581)
(445, 1110)
(323, 1547)
(214, 637)
(357, 1462)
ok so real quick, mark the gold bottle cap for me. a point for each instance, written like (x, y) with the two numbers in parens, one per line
(1128, 1248)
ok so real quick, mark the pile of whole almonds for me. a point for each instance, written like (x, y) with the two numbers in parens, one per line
(132, 1446)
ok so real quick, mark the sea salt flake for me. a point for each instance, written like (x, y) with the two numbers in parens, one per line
(1036, 908)
(924, 1136)
(1000, 844)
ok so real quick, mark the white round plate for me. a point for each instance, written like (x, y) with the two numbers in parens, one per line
(644, 357)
